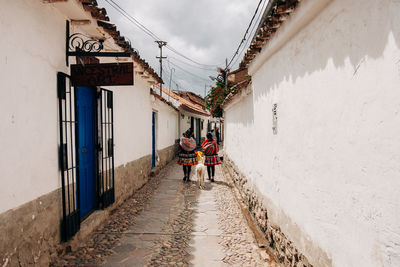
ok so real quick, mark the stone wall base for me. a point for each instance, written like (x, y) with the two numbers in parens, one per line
(130, 177)
(30, 234)
(282, 247)
(133, 175)
(167, 154)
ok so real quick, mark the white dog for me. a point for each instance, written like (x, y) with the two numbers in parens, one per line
(201, 172)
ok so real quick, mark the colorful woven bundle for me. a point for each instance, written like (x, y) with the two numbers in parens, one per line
(210, 148)
(188, 144)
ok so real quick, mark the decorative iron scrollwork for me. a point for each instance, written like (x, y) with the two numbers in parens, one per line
(81, 42)
(80, 45)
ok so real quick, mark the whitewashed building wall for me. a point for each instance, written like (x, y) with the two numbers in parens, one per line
(132, 121)
(329, 178)
(32, 52)
(167, 123)
(185, 122)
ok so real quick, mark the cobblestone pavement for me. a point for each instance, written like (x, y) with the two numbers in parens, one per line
(240, 248)
(172, 223)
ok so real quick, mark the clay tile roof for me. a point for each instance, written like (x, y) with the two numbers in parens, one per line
(235, 90)
(276, 12)
(196, 99)
(186, 104)
(191, 96)
(162, 99)
(100, 14)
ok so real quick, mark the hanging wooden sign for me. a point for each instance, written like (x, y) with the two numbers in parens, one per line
(102, 74)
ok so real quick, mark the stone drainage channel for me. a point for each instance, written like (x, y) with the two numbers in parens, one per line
(171, 223)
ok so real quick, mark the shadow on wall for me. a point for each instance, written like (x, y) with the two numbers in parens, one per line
(243, 113)
(345, 32)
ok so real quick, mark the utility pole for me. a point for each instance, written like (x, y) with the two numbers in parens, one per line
(160, 45)
(226, 74)
(170, 79)
(205, 91)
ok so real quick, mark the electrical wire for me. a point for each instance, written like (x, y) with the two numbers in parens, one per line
(150, 33)
(191, 60)
(194, 75)
(245, 34)
(170, 69)
(169, 73)
(252, 31)
(183, 62)
(179, 85)
(132, 19)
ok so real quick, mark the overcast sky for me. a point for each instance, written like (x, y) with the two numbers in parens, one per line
(206, 31)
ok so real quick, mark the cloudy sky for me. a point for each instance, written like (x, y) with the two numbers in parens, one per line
(205, 31)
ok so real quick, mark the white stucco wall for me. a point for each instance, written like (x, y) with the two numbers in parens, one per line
(32, 51)
(185, 123)
(167, 124)
(333, 168)
(132, 121)
(204, 130)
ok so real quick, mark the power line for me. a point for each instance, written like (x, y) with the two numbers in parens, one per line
(181, 61)
(244, 36)
(251, 33)
(149, 32)
(186, 71)
(132, 19)
(180, 85)
(194, 75)
(169, 72)
(191, 60)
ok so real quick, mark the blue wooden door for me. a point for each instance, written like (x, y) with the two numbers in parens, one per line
(153, 140)
(85, 108)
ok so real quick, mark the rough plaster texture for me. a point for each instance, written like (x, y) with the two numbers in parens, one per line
(132, 121)
(167, 154)
(133, 175)
(167, 124)
(30, 199)
(29, 106)
(260, 208)
(185, 123)
(332, 168)
(31, 53)
(31, 233)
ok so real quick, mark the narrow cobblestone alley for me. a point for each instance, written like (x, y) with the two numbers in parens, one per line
(168, 222)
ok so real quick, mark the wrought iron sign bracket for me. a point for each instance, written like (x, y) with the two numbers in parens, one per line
(80, 45)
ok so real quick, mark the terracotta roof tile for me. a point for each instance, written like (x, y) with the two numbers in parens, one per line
(186, 104)
(237, 88)
(275, 14)
(100, 14)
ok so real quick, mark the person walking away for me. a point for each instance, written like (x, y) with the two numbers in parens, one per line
(187, 156)
(210, 150)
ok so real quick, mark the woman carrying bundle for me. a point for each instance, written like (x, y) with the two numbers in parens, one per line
(210, 150)
(187, 156)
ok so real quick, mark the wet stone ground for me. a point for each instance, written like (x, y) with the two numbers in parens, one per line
(171, 223)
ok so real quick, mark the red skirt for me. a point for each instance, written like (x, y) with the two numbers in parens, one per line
(187, 159)
(212, 160)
